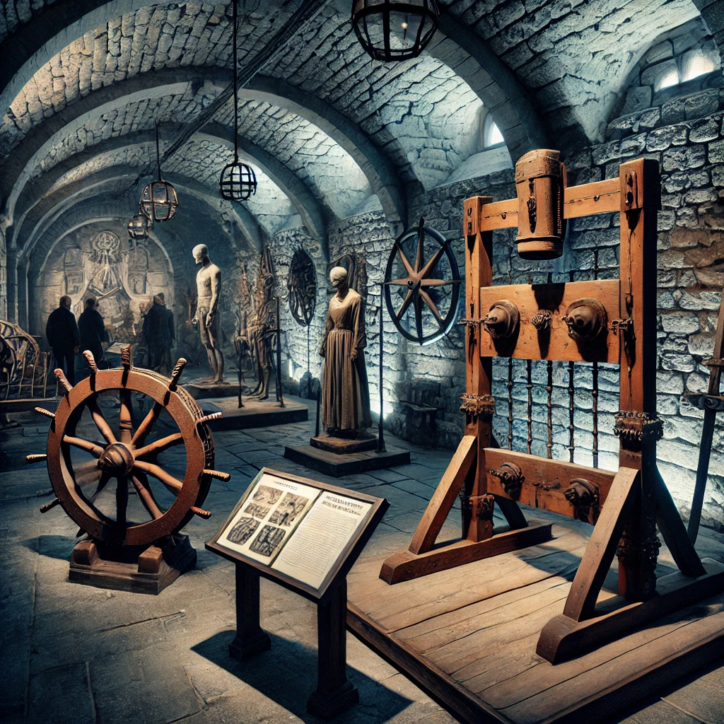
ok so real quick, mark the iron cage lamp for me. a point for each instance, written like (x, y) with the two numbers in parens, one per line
(393, 30)
(238, 180)
(139, 227)
(159, 199)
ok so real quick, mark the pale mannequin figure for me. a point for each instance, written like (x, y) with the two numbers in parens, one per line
(208, 289)
(345, 393)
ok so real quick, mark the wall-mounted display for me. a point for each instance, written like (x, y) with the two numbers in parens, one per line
(422, 285)
(302, 285)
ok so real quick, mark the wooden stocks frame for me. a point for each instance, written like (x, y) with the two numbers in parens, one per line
(625, 506)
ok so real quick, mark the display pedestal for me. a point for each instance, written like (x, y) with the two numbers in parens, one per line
(344, 445)
(338, 464)
(334, 693)
(136, 570)
(201, 391)
(255, 413)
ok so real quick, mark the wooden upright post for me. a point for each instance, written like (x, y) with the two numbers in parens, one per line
(251, 639)
(479, 404)
(335, 693)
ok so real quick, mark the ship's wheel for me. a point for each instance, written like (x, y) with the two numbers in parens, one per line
(125, 456)
(422, 296)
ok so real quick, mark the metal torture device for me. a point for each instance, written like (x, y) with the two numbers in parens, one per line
(583, 323)
(126, 456)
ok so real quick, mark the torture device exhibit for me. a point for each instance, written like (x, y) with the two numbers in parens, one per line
(123, 549)
(24, 367)
(302, 286)
(259, 339)
(429, 288)
(589, 322)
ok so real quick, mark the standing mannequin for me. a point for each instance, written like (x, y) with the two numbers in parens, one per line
(345, 394)
(208, 289)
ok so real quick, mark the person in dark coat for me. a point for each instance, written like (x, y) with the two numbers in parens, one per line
(159, 334)
(63, 336)
(92, 330)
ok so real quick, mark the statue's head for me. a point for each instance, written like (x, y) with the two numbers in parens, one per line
(201, 253)
(338, 277)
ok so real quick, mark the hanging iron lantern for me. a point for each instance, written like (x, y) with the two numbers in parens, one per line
(159, 200)
(238, 180)
(393, 30)
(139, 227)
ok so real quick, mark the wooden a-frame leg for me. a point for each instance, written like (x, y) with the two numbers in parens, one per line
(673, 530)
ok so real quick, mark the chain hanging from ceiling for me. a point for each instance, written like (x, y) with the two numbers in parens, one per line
(238, 180)
(159, 200)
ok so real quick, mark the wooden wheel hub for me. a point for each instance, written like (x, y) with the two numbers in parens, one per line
(116, 460)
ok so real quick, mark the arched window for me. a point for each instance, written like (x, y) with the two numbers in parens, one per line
(492, 137)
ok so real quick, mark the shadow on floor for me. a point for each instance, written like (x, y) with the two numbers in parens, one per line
(52, 546)
(288, 674)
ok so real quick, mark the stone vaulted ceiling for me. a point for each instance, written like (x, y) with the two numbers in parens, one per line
(329, 131)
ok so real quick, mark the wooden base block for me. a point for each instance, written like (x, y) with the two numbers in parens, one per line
(405, 566)
(244, 648)
(343, 445)
(339, 465)
(563, 638)
(134, 570)
(209, 391)
(255, 413)
(328, 705)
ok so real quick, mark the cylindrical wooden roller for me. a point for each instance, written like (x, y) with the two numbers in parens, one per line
(540, 180)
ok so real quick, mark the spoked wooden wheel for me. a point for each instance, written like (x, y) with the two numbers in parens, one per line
(429, 288)
(125, 457)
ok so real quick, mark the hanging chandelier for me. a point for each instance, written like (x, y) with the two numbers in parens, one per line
(238, 180)
(159, 200)
(139, 227)
(392, 30)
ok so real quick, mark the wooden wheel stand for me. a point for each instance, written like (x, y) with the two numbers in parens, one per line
(608, 321)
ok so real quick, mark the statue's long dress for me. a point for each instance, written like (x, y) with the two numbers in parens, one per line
(345, 394)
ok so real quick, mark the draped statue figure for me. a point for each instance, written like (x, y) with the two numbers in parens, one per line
(345, 392)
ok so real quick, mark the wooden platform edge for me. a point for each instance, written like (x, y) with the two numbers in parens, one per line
(452, 697)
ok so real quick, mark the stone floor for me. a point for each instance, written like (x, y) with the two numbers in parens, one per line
(77, 654)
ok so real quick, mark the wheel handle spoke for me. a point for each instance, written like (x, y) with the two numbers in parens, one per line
(431, 306)
(147, 425)
(140, 482)
(158, 446)
(91, 447)
(408, 300)
(103, 427)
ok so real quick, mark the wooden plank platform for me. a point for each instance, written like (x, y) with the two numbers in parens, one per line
(211, 392)
(255, 413)
(337, 465)
(468, 637)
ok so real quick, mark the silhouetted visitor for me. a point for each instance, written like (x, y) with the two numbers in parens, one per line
(159, 334)
(92, 330)
(63, 336)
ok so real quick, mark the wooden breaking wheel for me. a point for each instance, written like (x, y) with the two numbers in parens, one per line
(429, 289)
(124, 455)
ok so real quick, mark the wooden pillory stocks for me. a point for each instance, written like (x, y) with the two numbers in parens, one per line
(610, 321)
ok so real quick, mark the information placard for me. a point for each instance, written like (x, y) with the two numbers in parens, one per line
(301, 532)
